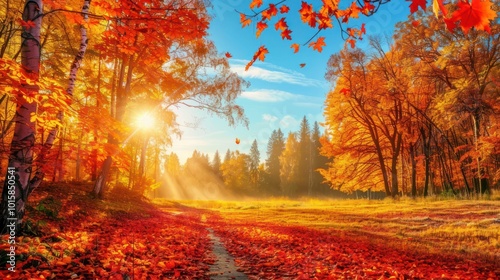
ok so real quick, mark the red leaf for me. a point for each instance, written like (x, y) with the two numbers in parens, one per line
(269, 12)
(417, 3)
(352, 42)
(302, 65)
(281, 24)
(477, 14)
(228, 55)
(284, 9)
(285, 34)
(319, 44)
(415, 23)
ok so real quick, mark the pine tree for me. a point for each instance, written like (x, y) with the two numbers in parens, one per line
(275, 147)
(317, 161)
(254, 163)
(216, 163)
(289, 166)
(304, 159)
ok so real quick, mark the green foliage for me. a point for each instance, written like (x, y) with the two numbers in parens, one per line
(50, 207)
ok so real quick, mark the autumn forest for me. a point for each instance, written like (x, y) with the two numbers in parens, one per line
(399, 180)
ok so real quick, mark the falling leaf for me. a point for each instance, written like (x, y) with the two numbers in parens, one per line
(228, 55)
(269, 12)
(260, 27)
(284, 9)
(295, 47)
(255, 4)
(281, 24)
(302, 65)
(286, 34)
(318, 44)
(259, 54)
(237, 141)
(244, 20)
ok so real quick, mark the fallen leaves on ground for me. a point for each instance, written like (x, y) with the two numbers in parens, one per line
(270, 251)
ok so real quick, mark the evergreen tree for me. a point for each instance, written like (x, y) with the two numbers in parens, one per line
(275, 147)
(289, 166)
(216, 163)
(227, 157)
(304, 159)
(254, 163)
(317, 161)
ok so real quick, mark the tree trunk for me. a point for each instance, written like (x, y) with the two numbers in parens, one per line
(15, 190)
(102, 177)
(413, 171)
(49, 142)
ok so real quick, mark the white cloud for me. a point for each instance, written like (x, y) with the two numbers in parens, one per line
(268, 95)
(280, 75)
(269, 118)
(289, 122)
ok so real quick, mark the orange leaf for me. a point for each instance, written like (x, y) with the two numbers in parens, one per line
(269, 12)
(286, 34)
(477, 14)
(281, 24)
(255, 4)
(415, 23)
(284, 9)
(259, 54)
(237, 141)
(319, 44)
(244, 20)
(295, 47)
(438, 5)
(307, 15)
(260, 27)
(352, 42)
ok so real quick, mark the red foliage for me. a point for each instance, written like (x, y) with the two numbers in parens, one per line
(266, 251)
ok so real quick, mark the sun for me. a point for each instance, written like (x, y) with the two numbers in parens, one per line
(145, 121)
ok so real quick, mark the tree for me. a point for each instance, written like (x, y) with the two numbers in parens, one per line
(466, 15)
(304, 153)
(235, 173)
(290, 175)
(318, 162)
(16, 185)
(254, 163)
(216, 163)
(275, 147)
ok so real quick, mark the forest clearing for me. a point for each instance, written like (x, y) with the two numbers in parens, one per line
(71, 235)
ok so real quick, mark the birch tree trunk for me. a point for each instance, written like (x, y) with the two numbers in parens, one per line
(15, 189)
(49, 142)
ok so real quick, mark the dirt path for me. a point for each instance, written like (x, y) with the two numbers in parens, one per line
(224, 267)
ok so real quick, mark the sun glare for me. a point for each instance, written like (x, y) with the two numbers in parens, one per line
(145, 121)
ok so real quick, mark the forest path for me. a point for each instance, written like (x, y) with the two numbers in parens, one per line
(224, 267)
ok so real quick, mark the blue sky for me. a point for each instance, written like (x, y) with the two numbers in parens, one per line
(280, 91)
